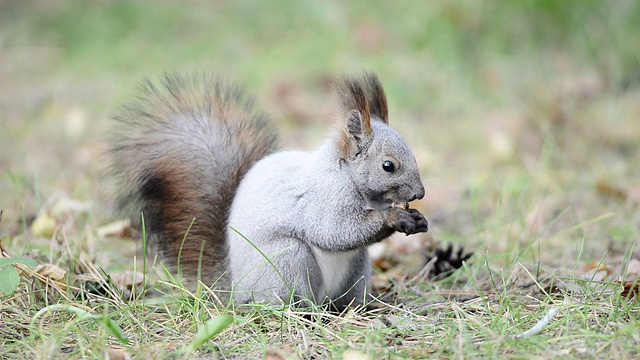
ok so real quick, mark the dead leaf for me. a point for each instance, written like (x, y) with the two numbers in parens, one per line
(128, 279)
(595, 267)
(66, 205)
(47, 274)
(593, 276)
(120, 228)
(51, 271)
(129, 282)
(626, 193)
(273, 355)
(355, 355)
(44, 225)
(59, 203)
(630, 289)
(51, 213)
(118, 353)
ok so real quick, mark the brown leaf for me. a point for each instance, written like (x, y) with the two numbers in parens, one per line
(626, 193)
(47, 274)
(118, 353)
(51, 271)
(272, 355)
(128, 279)
(595, 267)
(630, 289)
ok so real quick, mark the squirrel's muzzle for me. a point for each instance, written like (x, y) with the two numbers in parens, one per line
(419, 194)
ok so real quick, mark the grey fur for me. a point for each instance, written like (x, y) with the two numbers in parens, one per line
(179, 153)
(299, 223)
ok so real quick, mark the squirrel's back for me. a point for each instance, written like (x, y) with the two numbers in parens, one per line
(180, 152)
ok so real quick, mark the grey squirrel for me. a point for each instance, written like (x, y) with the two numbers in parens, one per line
(223, 206)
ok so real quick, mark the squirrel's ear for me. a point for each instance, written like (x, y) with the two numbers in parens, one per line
(355, 138)
(376, 98)
(357, 133)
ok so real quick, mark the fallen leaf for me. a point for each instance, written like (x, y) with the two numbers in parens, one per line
(44, 225)
(272, 355)
(118, 353)
(120, 228)
(355, 355)
(627, 193)
(51, 271)
(66, 205)
(630, 289)
(128, 279)
(47, 274)
(595, 267)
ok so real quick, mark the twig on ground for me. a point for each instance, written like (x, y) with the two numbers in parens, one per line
(540, 325)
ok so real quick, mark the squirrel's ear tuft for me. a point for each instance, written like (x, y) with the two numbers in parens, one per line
(352, 98)
(376, 99)
(354, 109)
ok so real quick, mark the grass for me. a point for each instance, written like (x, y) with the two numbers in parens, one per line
(523, 116)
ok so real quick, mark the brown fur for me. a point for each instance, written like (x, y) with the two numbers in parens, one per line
(364, 97)
(376, 97)
(179, 154)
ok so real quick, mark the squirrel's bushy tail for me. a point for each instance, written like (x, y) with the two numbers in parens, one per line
(179, 153)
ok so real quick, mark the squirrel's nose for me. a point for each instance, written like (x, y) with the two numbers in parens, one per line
(419, 194)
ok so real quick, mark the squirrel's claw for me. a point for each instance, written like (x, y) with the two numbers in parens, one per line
(408, 222)
(421, 223)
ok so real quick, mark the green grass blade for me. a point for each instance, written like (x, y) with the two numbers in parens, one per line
(210, 329)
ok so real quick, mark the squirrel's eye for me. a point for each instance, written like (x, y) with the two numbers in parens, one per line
(388, 166)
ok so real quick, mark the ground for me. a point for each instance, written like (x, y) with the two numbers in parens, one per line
(524, 118)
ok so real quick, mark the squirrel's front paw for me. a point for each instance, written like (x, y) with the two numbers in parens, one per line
(409, 221)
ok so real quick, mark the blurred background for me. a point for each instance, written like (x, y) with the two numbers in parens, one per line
(524, 115)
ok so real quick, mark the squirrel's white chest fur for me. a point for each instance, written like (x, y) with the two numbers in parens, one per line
(334, 267)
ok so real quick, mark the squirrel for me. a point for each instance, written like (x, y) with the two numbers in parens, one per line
(222, 205)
